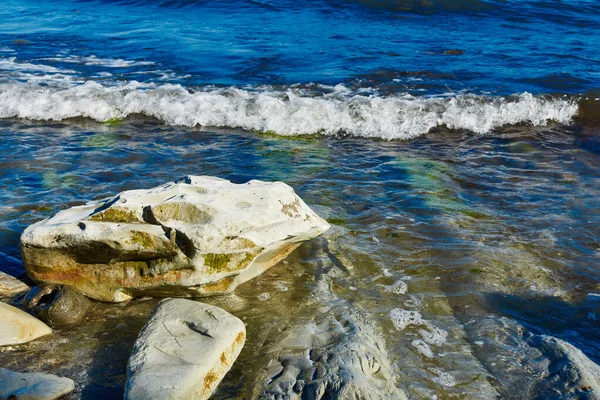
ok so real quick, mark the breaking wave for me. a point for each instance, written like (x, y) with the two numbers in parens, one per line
(291, 111)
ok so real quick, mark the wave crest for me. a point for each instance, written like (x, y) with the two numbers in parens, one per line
(287, 112)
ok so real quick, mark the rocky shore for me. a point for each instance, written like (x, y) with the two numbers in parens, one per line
(140, 296)
(199, 236)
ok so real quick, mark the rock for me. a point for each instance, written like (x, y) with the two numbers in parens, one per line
(333, 360)
(33, 386)
(198, 236)
(571, 374)
(58, 306)
(17, 326)
(454, 52)
(10, 286)
(183, 352)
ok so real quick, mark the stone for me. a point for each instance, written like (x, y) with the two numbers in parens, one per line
(571, 374)
(183, 352)
(58, 306)
(17, 326)
(10, 286)
(33, 386)
(198, 236)
(336, 359)
(454, 52)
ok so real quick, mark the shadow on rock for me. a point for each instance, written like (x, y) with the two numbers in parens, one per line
(577, 323)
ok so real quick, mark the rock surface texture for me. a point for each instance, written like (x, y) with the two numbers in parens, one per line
(198, 236)
(333, 360)
(571, 374)
(183, 352)
(33, 386)
(10, 286)
(17, 326)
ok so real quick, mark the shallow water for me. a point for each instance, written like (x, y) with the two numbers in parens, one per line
(483, 236)
(452, 145)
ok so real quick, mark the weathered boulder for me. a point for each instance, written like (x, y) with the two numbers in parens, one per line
(183, 352)
(336, 359)
(58, 306)
(17, 326)
(33, 386)
(10, 286)
(194, 237)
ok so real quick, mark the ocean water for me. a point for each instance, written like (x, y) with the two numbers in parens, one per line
(454, 146)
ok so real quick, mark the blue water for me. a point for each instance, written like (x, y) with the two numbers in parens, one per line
(509, 46)
(453, 145)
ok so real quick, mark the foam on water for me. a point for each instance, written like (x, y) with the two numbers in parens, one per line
(97, 61)
(281, 286)
(422, 348)
(403, 318)
(285, 112)
(11, 64)
(400, 287)
(264, 296)
(443, 378)
(431, 334)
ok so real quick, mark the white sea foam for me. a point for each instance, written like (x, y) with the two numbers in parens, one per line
(281, 286)
(11, 64)
(400, 287)
(412, 302)
(443, 378)
(431, 334)
(264, 296)
(403, 318)
(422, 348)
(288, 112)
(103, 62)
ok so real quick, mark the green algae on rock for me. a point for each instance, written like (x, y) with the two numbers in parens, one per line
(194, 237)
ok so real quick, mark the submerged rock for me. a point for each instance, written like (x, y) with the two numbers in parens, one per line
(58, 306)
(198, 236)
(33, 386)
(571, 374)
(332, 360)
(10, 286)
(183, 352)
(17, 326)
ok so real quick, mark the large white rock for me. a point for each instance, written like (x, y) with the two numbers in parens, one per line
(197, 236)
(183, 352)
(17, 326)
(10, 286)
(33, 386)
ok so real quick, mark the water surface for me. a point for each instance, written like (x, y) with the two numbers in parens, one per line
(452, 145)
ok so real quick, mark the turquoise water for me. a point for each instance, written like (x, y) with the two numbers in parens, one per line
(452, 145)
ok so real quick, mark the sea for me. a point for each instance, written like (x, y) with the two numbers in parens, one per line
(453, 145)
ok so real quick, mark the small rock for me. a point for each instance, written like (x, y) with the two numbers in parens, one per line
(33, 386)
(17, 326)
(454, 52)
(183, 352)
(10, 286)
(58, 306)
